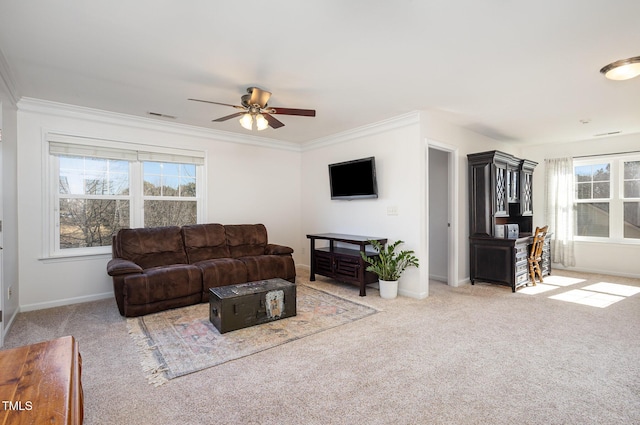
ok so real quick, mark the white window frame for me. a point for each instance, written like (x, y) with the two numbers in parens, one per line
(136, 154)
(615, 200)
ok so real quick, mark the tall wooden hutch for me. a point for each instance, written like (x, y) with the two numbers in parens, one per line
(500, 193)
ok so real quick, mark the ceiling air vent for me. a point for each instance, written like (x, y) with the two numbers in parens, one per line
(157, 114)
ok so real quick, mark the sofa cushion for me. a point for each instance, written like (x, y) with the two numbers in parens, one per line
(152, 247)
(205, 241)
(221, 272)
(262, 267)
(246, 239)
(162, 283)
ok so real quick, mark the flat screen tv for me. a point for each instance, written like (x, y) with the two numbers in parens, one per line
(353, 179)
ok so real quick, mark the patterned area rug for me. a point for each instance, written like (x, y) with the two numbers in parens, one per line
(182, 341)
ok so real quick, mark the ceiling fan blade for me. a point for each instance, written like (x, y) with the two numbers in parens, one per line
(258, 97)
(228, 117)
(273, 122)
(218, 103)
(290, 111)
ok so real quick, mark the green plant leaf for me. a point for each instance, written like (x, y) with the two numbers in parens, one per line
(389, 264)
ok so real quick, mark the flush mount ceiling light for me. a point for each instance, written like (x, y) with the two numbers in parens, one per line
(624, 69)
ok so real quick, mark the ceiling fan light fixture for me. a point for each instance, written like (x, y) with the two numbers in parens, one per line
(624, 69)
(246, 121)
(261, 122)
(254, 106)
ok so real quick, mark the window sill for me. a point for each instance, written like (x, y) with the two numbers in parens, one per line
(75, 257)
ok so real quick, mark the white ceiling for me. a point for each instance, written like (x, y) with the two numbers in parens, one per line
(521, 72)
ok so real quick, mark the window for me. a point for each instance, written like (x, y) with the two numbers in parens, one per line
(169, 194)
(593, 190)
(93, 200)
(99, 190)
(607, 198)
(631, 199)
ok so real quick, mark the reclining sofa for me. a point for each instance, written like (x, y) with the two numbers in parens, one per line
(155, 269)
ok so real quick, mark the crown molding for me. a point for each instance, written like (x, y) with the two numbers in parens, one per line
(399, 121)
(7, 82)
(97, 115)
(27, 104)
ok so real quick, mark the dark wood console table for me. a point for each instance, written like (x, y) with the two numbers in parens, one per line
(343, 264)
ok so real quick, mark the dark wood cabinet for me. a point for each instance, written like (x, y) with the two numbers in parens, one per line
(501, 193)
(526, 187)
(342, 263)
(500, 189)
(504, 261)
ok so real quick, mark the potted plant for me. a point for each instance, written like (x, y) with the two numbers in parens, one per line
(389, 265)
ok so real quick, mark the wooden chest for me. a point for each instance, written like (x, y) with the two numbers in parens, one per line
(41, 383)
(247, 304)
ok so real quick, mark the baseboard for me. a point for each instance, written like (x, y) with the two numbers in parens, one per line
(303, 266)
(559, 266)
(66, 301)
(444, 279)
(413, 294)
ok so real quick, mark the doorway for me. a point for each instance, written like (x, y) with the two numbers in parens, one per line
(442, 213)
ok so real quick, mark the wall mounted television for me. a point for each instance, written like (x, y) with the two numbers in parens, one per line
(354, 179)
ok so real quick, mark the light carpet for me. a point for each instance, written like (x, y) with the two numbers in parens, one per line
(178, 342)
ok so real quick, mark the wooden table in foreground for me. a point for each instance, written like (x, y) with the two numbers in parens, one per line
(41, 383)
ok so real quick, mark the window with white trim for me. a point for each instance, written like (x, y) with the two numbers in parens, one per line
(98, 190)
(607, 198)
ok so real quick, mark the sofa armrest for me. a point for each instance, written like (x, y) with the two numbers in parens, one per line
(120, 266)
(273, 249)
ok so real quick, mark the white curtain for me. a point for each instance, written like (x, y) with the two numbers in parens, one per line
(560, 209)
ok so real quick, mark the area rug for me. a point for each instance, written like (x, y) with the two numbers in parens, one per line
(178, 342)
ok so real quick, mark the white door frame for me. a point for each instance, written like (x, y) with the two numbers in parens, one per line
(452, 215)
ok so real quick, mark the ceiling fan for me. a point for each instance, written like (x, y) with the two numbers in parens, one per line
(254, 108)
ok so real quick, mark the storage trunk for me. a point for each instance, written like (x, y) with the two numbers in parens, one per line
(247, 304)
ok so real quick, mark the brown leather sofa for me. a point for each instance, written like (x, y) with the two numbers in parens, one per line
(160, 268)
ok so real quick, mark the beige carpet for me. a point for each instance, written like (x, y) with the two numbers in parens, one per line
(470, 355)
(178, 342)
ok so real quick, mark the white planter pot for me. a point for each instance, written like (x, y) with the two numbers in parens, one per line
(388, 289)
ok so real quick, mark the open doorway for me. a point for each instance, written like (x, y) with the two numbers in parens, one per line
(442, 213)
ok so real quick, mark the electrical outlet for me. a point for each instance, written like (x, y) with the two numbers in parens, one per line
(392, 210)
(9, 292)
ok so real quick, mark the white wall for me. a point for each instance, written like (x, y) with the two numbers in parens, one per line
(245, 182)
(400, 148)
(616, 259)
(397, 149)
(436, 128)
(286, 188)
